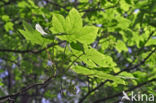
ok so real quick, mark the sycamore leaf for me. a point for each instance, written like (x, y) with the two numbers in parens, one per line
(58, 24)
(73, 22)
(72, 26)
(126, 75)
(88, 34)
(151, 41)
(99, 58)
(96, 73)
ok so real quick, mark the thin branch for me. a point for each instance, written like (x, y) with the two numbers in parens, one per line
(150, 35)
(73, 62)
(56, 4)
(77, 3)
(100, 9)
(91, 91)
(137, 65)
(22, 91)
(31, 51)
(119, 94)
(7, 59)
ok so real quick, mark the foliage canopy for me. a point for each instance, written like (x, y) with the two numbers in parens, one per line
(81, 51)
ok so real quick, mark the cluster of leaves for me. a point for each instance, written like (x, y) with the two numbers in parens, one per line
(89, 45)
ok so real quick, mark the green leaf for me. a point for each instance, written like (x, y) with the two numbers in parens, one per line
(83, 70)
(78, 46)
(8, 26)
(126, 75)
(87, 35)
(83, 1)
(33, 35)
(72, 27)
(98, 74)
(99, 58)
(32, 4)
(124, 5)
(116, 69)
(27, 27)
(1, 84)
(140, 75)
(123, 23)
(151, 41)
(22, 4)
(73, 22)
(48, 94)
(5, 18)
(58, 23)
(120, 46)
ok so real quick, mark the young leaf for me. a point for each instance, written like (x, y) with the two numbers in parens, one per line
(87, 35)
(98, 74)
(99, 58)
(58, 23)
(73, 22)
(72, 26)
